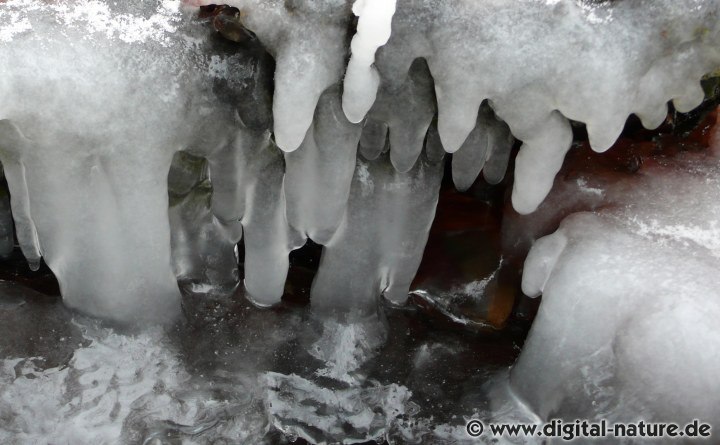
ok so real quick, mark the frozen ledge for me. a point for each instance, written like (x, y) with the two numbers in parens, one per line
(292, 142)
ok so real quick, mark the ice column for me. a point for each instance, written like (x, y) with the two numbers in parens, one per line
(94, 103)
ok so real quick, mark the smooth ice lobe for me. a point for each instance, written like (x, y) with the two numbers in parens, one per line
(361, 78)
(639, 280)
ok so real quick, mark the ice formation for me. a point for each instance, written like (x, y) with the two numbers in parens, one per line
(99, 98)
(630, 303)
(362, 79)
(140, 147)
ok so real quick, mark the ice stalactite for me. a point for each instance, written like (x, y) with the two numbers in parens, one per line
(249, 204)
(539, 160)
(293, 149)
(487, 149)
(362, 79)
(268, 237)
(318, 175)
(379, 244)
(401, 114)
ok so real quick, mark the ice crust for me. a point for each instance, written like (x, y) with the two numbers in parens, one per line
(630, 303)
(321, 127)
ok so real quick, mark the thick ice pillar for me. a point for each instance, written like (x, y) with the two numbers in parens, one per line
(99, 221)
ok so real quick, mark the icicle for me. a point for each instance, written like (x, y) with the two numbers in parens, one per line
(433, 146)
(362, 79)
(379, 245)
(374, 139)
(538, 162)
(500, 143)
(408, 111)
(318, 175)
(248, 200)
(12, 143)
(470, 158)
(268, 237)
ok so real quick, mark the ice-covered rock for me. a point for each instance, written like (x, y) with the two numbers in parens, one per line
(309, 43)
(626, 327)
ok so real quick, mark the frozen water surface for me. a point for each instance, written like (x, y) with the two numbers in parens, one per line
(233, 373)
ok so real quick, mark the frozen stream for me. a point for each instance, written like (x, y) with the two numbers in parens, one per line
(237, 374)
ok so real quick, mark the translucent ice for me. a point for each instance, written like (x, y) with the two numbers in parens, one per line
(488, 144)
(249, 202)
(319, 174)
(379, 244)
(95, 100)
(201, 251)
(401, 114)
